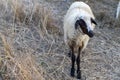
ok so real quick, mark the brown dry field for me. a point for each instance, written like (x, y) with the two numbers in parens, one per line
(32, 46)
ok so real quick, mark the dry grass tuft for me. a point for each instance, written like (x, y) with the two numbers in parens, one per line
(106, 19)
(20, 67)
(18, 10)
(42, 17)
(7, 48)
(37, 14)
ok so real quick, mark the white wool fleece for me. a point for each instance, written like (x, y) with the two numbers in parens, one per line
(78, 10)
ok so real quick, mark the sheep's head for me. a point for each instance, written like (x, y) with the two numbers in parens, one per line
(86, 26)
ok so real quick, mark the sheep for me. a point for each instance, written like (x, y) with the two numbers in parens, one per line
(78, 25)
(118, 10)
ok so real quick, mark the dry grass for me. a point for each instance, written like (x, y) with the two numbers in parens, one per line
(17, 62)
(18, 11)
(30, 13)
(42, 17)
(32, 49)
(19, 67)
(107, 20)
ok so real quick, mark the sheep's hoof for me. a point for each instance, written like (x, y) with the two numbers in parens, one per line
(72, 72)
(79, 74)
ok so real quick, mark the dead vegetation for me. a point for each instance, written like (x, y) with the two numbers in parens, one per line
(32, 48)
(18, 67)
(17, 61)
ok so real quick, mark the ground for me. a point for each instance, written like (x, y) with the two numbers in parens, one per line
(99, 61)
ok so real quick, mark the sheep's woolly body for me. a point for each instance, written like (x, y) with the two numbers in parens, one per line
(71, 36)
(79, 41)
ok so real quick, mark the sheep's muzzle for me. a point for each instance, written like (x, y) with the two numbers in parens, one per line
(90, 34)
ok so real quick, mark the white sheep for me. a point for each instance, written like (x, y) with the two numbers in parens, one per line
(79, 23)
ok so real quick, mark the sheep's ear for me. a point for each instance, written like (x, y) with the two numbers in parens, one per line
(93, 21)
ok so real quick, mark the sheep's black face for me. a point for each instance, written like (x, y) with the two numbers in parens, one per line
(83, 27)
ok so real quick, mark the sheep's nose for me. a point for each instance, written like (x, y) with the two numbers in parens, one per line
(91, 34)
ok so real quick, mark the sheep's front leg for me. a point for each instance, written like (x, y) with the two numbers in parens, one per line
(78, 64)
(73, 62)
(69, 53)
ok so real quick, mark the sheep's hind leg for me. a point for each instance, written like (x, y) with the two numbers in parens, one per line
(78, 64)
(73, 62)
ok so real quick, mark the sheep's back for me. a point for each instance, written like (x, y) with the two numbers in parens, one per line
(81, 5)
